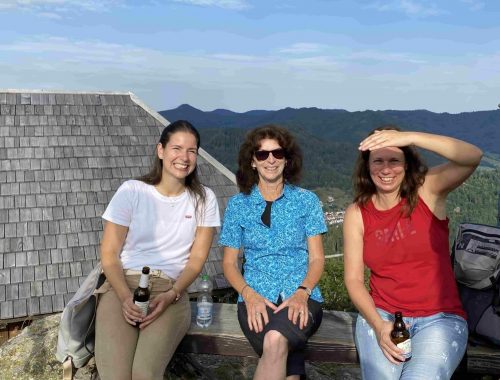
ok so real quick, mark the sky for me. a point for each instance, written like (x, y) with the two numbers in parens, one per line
(241, 55)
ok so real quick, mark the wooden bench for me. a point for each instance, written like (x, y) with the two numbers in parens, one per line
(333, 342)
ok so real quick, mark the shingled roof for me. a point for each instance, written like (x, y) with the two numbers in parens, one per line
(62, 156)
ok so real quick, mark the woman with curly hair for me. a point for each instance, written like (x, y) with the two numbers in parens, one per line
(278, 225)
(397, 227)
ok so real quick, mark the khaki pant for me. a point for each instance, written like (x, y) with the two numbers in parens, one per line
(123, 352)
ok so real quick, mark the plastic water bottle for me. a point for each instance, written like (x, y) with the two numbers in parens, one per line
(205, 302)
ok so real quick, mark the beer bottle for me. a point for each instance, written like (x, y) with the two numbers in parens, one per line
(141, 294)
(400, 336)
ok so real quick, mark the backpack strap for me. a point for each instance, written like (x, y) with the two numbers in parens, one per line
(495, 302)
(68, 369)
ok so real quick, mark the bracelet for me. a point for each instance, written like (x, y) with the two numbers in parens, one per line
(244, 287)
(307, 290)
(177, 294)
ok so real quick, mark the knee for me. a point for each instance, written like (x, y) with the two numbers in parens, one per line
(275, 344)
(143, 374)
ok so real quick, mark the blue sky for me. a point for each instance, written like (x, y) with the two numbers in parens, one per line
(443, 56)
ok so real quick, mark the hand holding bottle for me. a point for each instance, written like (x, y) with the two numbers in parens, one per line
(157, 306)
(131, 312)
(389, 349)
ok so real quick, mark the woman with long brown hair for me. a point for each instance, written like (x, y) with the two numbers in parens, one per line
(397, 227)
(164, 220)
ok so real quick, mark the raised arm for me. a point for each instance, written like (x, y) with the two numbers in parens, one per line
(463, 158)
(354, 282)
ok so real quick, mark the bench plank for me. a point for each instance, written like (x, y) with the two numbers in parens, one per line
(481, 359)
(333, 342)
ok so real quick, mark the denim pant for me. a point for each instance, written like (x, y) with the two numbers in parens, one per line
(438, 344)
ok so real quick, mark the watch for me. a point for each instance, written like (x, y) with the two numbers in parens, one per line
(308, 290)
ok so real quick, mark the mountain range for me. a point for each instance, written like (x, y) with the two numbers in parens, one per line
(329, 137)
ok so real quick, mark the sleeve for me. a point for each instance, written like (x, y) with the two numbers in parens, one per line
(315, 220)
(231, 232)
(120, 209)
(211, 217)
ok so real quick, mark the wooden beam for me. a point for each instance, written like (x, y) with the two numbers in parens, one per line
(333, 342)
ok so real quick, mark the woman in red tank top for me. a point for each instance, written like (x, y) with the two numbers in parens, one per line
(397, 227)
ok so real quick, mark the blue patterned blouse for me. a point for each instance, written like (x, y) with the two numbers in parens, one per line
(276, 257)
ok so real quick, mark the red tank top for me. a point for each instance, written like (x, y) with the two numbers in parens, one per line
(409, 261)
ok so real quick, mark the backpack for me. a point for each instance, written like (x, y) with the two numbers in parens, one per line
(476, 263)
(75, 341)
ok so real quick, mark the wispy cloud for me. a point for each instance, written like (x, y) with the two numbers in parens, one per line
(166, 79)
(237, 5)
(474, 5)
(302, 48)
(409, 7)
(55, 8)
(370, 55)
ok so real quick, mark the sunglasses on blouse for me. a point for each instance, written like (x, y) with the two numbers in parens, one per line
(262, 155)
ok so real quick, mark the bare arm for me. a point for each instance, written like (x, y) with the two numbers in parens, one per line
(354, 281)
(297, 303)
(255, 303)
(197, 257)
(463, 158)
(111, 245)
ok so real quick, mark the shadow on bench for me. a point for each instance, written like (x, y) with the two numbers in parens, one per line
(333, 342)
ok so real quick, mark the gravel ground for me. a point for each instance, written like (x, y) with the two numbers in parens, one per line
(229, 368)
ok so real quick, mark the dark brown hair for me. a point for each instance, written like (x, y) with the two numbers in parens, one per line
(192, 181)
(247, 177)
(415, 171)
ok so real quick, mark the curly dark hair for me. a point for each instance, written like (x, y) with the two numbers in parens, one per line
(247, 177)
(415, 172)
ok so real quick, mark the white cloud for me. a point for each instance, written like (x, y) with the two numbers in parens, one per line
(302, 48)
(53, 8)
(165, 79)
(237, 5)
(474, 5)
(410, 7)
(370, 55)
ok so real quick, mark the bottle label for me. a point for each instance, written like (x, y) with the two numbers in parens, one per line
(406, 347)
(143, 306)
(205, 309)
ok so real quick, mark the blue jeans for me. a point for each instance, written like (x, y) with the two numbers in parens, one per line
(438, 344)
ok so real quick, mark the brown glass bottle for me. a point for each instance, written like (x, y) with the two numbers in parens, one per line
(141, 293)
(400, 335)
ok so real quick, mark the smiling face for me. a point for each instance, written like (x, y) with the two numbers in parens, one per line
(387, 169)
(271, 169)
(179, 155)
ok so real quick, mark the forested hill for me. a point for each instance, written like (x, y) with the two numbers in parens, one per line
(329, 138)
(481, 128)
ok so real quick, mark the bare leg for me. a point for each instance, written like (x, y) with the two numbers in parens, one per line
(272, 364)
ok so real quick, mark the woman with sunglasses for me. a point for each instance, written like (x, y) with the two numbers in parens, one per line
(278, 226)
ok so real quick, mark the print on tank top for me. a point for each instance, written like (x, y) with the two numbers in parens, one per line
(403, 230)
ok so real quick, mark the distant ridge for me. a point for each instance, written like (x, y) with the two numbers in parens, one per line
(329, 138)
(480, 127)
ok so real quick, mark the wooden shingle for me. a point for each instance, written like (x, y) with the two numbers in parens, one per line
(62, 157)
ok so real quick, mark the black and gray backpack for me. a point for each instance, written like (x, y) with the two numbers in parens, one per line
(476, 263)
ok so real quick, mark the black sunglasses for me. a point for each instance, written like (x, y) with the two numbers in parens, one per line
(262, 155)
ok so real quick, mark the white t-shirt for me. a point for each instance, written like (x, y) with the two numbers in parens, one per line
(161, 229)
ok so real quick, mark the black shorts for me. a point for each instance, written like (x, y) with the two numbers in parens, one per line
(297, 338)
